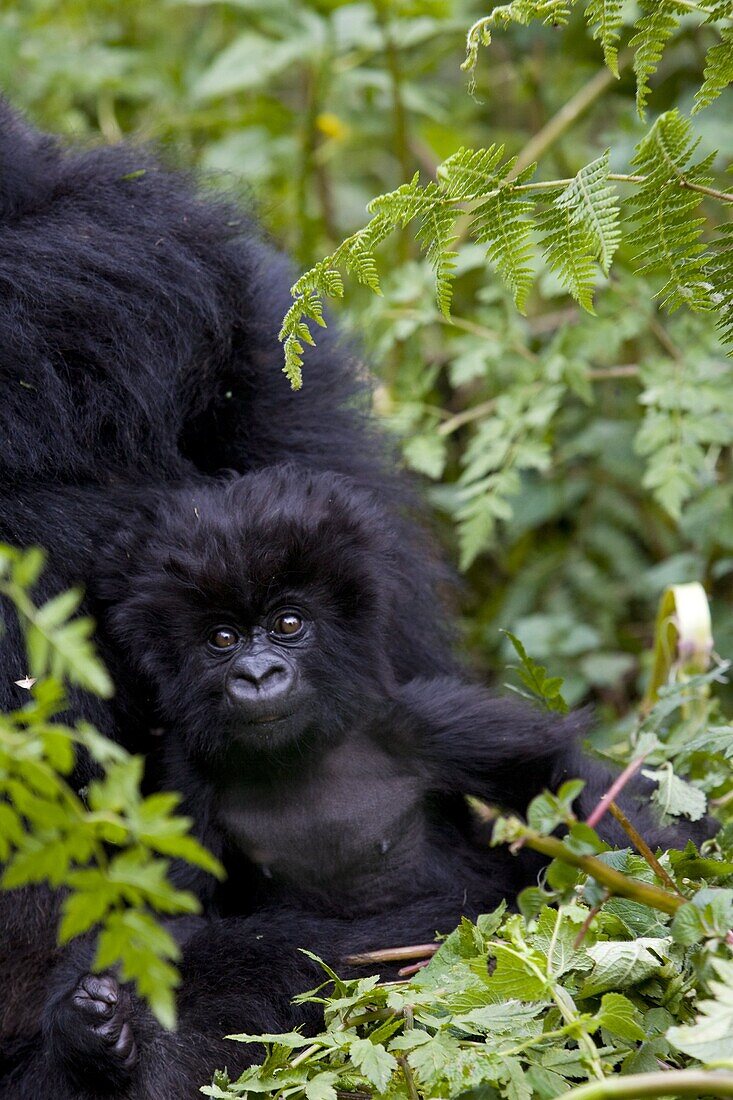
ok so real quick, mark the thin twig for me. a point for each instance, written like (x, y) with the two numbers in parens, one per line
(566, 116)
(616, 883)
(603, 374)
(665, 339)
(615, 789)
(413, 968)
(411, 1086)
(392, 954)
(589, 920)
(485, 408)
(643, 848)
(723, 196)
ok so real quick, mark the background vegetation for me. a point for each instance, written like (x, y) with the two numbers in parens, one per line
(577, 451)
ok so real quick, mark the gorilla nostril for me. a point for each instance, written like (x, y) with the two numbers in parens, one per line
(261, 674)
(262, 681)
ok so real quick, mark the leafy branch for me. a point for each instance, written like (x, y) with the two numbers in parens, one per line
(101, 847)
(577, 223)
(510, 830)
(655, 27)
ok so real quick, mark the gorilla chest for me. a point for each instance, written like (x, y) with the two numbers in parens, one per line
(339, 824)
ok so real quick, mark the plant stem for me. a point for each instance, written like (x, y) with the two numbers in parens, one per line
(566, 116)
(589, 920)
(616, 787)
(624, 370)
(411, 1086)
(643, 848)
(560, 184)
(616, 883)
(485, 408)
(392, 954)
(676, 1082)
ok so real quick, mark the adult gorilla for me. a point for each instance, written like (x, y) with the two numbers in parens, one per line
(138, 345)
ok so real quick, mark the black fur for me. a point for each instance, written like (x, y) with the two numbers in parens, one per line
(138, 347)
(337, 802)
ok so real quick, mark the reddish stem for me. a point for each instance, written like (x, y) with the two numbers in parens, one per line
(615, 789)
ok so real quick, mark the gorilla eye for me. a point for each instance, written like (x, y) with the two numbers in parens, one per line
(287, 624)
(223, 638)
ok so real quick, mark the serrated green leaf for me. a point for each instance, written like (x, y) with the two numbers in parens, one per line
(376, 1063)
(620, 1016)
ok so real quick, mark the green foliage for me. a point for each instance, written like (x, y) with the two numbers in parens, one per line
(591, 983)
(655, 26)
(668, 226)
(548, 689)
(605, 19)
(658, 22)
(101, 846)
(578, 228)
(582, 226)
(718, 70)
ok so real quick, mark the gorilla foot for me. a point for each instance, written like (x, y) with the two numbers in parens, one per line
(93, 1033)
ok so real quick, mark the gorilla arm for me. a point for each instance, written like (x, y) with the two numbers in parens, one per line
(506, 752)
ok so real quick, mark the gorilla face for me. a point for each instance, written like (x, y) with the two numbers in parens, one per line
(257, 610)
(265, 687)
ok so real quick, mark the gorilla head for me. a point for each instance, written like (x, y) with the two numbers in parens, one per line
(257, 610)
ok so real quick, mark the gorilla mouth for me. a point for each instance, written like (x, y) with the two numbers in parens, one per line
(268, 719)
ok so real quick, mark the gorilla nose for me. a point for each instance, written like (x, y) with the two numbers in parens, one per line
(260, 680)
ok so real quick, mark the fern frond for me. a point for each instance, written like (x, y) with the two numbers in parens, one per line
(668, 230)
(471, 172)
(567, 249)
(295, 333)
(593, 203)
(719, 272)
(500, 219)
(323, 280)
(582, 226)
(403, 204)
(521, 12)
(653, 30)
(435, 236)
(718, 70)
(718, 9)
(604, 18)
(502, 222)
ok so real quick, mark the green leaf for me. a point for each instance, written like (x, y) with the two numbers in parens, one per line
(674, 796)
(376, 1063)
(247, 62)
(430, 1060)
(668, 230)
(534, 677)
(621, 965)
(618, 1015)
(658, 23)
(321, 1087)
(710, 1038)
(516, 974)
(604, 16)
(427, 454)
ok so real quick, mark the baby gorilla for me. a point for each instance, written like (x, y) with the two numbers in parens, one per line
(256, 616)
